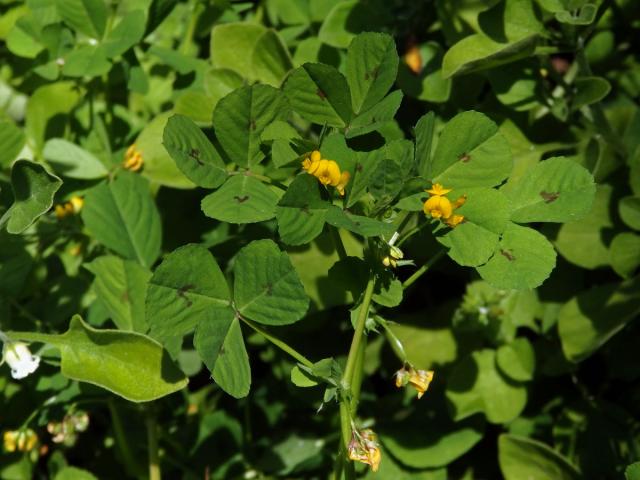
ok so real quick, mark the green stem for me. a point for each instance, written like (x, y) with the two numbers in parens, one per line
(279, 343)
(131, 465)
(356, 381)
(350, 394)
(396, 344)
(421, 271)
(152, 444)
(337, 240)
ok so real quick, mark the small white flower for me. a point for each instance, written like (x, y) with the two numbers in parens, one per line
(483, 310)
(20, 359)
(93, 42)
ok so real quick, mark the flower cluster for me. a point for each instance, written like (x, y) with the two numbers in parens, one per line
(132, 159)
(364, 447)
(327, 171)
(23, 440)
(66, 431)
(19, 358)
(418, 379)
(66, 209)
(440, 207)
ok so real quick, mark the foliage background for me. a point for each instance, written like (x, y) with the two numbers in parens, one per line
(519, 373)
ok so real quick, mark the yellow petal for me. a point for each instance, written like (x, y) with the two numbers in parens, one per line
(315, 156)
(437, 189)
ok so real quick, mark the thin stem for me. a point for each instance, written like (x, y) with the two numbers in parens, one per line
(152, 444)
(396, 344)
(356, 381)
(122, 443)
(337, 241)
(358, 334)
(278, 343)
(410, 233)
(418, 273)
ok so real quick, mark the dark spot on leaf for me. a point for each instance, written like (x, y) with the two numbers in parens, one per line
(269, 288)
(372, 74)
(182, 291)
(222, 350)
(252, 124)
(357, 224)
(125, 297)
(321, 94)
(507, 254)
(305, 209)
(465, 157)
(242, 199)
(195, 154)
(549, 197)
(359, 167)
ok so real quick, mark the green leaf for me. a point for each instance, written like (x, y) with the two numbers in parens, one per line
(524, 259)
(186, 289)
(33, 191)
(471, 152)
(555, 190)
(632, 472)
(270, 59)
(49, 102)
(242, 199)
(320, 94)
(582, 242)
(625, 253)
(12, 140)
(341, 23)
(476, 385)
(629, 209)
(584, 15)
(517, 85)
(486, 212)
(517, 360)
(301, 212)
(365, 226)
(73, 161)
(73, 473)
(267, 288)
(127, 33)
(219, 343)
(424, 132)
(589, 320)
(121, 286)
(376, 116)
(128, 364)
(589, 90)
(385, 183)
(84, 16)
(86, 61)
(159, 167)
(372, 66)
(522, 457)
(428, 442)
(123, 217)
(193, 153)
(240, 118)
(478, 52)
(228, 39)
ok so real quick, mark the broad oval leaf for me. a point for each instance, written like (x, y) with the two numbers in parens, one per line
(372, 66)
(471, 152)
(187, 288)
(589, 320)
(522, 457)
(486, 212)
(270, 59)
(123, 217)
(84, 16)
(242, 199)
(128, 364)
(219, 343)
(555, 190)
(33, 191)
(358, 224)
(625, 253)
(476, 385)
(240, 118)
(121, 285)
(523, 259)
(228, 39)
(193, 153)
(72, 161)
(301, 212)
(629, 209)
(320, 94)
(517, 360)
(266, 287)
(12, 140)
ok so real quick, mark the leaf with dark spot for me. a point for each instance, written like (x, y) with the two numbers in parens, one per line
(241, 199)
(507, 254)
(549, 197)
(321, 94)
(465, 157)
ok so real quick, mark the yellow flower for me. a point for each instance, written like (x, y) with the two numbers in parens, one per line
(420, 380)
(328, 172)
(310, 164)
(69, 208)
(132, 159)
(364, 447)
(438, 207)
(454, 220)
(20, 440)
(76, 203)
(413, 59)
(344, 180)
(460, 201)
(437, 189)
